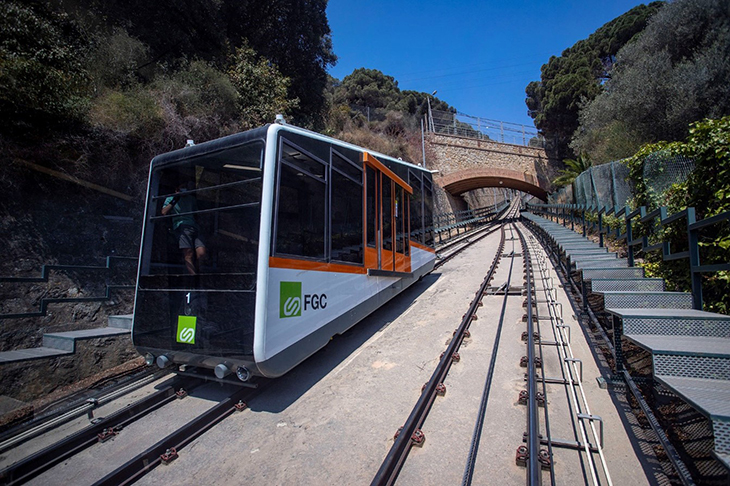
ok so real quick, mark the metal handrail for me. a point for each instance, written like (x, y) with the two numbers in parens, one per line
(571, 213)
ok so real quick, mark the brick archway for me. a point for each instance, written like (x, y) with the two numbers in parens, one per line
(457, 183)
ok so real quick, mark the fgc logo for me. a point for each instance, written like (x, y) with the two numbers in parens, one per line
(292, 303)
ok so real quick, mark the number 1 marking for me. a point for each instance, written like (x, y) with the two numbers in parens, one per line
(188, 297)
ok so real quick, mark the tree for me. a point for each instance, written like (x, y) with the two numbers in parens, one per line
(577, 75)
(573, 168)
(262, 90)
(293, 34)
(43, 81)
(674, 74)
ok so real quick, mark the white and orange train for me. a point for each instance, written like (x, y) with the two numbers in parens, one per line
(274, 240)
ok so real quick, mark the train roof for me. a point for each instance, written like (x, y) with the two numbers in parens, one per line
(260, 133)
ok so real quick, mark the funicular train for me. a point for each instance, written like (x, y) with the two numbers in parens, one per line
(258, 247)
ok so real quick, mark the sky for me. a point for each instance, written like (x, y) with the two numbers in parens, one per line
(478, 55)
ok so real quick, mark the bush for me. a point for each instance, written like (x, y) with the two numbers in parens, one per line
(131, 112)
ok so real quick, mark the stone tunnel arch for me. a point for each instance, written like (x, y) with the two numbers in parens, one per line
(457, 183)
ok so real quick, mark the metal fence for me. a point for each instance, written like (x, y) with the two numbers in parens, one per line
(463, 125)
(608, 184)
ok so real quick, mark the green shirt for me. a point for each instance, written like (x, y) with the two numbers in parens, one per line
(186, 204)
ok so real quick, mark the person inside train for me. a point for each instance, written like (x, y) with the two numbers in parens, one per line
(183, 205)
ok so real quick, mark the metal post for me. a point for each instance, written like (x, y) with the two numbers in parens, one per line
(629, 239)
(423, 143)
(694, 260)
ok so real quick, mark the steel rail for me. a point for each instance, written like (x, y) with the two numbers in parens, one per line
(511, 212)
(534, 471)
(679, 466)
(548, 435)
(393, 463)
(145, 462)
(481, 415)
(51, 421)
(44, 459)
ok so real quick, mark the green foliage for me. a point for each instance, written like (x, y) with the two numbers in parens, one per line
(131, 112)
(115, 59)
(573, 168)
(577, 75)
(42, 79)
(293, 34)
(370, 88)
(707, 189)
(675, 73)
(262, 90)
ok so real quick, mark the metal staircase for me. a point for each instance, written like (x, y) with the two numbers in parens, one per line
(689, 348)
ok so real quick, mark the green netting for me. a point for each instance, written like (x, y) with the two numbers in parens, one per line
(608, 185)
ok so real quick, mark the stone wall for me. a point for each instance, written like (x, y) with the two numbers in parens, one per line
(453, 154)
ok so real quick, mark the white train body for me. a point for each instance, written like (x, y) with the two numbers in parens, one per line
(294, 237)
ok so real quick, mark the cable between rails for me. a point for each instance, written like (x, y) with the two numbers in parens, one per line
(476, 436)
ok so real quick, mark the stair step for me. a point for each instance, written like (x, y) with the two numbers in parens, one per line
(122, 321)
(711, 397)
(627, 284)
(688, 356)
(673, 322)
(612, 272)
(646, 300)
(31, 353)
(612, 263)
(66, 341)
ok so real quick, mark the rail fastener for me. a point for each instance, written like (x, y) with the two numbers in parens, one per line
(535, 336)
(544, 459)
(521, 456)
(417, 438)
(240, 406)
(108, 433)
(169, 456)
(466, 334)
(181, 393)
(525, 360)
(456, 357)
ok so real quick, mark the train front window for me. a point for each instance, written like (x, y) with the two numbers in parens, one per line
(203, 221)
(199, 253)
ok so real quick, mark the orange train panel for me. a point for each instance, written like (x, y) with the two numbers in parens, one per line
(369, 159)
(296, 264)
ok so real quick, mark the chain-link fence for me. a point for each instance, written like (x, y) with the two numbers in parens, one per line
(608, 184)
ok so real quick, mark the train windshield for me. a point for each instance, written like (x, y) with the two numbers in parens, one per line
(199, 252)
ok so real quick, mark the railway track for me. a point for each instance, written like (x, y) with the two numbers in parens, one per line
(538, 427)
(547, 349)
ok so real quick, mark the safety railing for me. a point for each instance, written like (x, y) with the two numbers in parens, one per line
(451, 225)
(111, 264)
(641, 232)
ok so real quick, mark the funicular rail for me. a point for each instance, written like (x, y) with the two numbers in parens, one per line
(538, 461)
(664, 318)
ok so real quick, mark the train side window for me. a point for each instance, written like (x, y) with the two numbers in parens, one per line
(371, 205)
(301, 209)
(399, 220)
(346, 211)
(416, 207)
(428, 213)
(387, 214)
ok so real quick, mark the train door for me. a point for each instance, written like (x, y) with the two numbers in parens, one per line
(386, 218)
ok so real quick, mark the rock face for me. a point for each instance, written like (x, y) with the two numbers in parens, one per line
(30, 380)
(48, 220)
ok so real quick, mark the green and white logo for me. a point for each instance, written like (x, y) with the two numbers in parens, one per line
(290, 299)
(186, 329)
